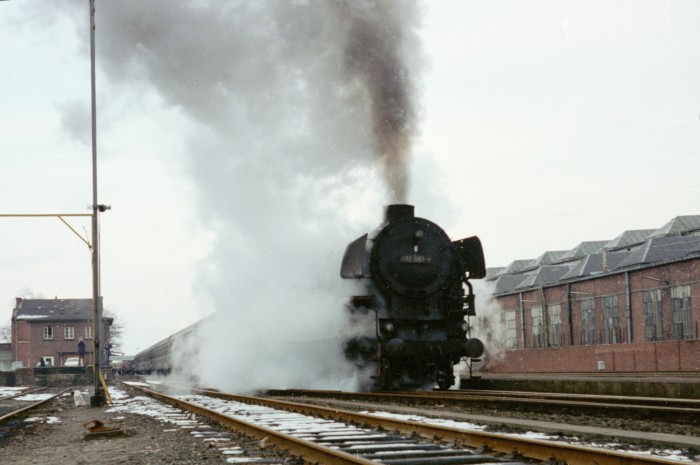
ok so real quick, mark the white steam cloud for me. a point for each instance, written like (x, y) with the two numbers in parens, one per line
(297, 104)
(485, 326)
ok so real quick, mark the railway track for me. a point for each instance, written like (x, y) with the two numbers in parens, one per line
(568, 397)
(673, 410)
(333, 436)
(16, 405)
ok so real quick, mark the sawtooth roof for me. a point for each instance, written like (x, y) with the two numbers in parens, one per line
(546, 258)
(679, 226)
(594, 264)
(492, 273)
(662, 249)
(515, 267)
(583, 249)
(507, 283)
(629, 238)
(545, 275)
(677, 240)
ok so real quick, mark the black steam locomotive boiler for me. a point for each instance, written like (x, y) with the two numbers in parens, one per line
(415, 303)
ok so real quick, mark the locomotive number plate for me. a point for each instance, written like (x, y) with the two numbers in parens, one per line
(417, 259)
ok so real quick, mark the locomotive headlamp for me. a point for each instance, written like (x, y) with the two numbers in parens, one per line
(464, 326)
(417, 237)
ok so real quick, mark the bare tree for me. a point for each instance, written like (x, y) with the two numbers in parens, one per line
(116, 330)
(5, 334)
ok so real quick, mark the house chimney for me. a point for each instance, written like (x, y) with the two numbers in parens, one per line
(18, 302)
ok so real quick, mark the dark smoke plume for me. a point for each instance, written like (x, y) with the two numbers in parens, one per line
(374, 55)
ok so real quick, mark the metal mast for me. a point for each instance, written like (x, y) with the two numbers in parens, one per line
(99, 398)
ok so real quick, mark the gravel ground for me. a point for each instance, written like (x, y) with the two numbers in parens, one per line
(57, 435)
(159, 434)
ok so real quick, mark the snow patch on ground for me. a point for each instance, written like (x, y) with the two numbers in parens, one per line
(143, 405)
(7, 391)
(33, 397)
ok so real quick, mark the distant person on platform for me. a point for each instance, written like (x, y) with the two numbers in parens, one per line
(108, 350)
(81, 351)
(41, 363)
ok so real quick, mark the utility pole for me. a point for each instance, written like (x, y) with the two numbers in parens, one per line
(99, 398)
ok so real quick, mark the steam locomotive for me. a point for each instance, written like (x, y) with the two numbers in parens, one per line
(413, 307)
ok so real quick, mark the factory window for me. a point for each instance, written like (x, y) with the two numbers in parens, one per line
(653, 321)
(88, 332)
(48, 332)
(538, 336)
(554, 316)
(588, 335)
(681, 312)
(612, 331)
(69, 332)
(511, 331)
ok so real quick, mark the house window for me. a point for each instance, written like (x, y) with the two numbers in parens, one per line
(88, 332)
(681, 312)
(612, 332)
(588, 335)
(511, 333)
(538, 336)
(653, 316)
(48, 332)
(554, 316)
(69, 332)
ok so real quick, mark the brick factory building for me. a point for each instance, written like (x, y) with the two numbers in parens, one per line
(51, 328)
(631, 304)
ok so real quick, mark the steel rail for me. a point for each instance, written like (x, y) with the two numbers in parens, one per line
(27, 408)
(598, 398)
(688, 410)
(639, 400)
(309, 451)
(530, 448)
(23, 393)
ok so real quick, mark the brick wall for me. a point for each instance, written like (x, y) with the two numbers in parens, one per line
(621, 348)
(30, 344)
(648, 357)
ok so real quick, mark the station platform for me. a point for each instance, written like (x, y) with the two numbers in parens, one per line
(674, 385)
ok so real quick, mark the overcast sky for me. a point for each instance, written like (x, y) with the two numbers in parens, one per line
(540, 125)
